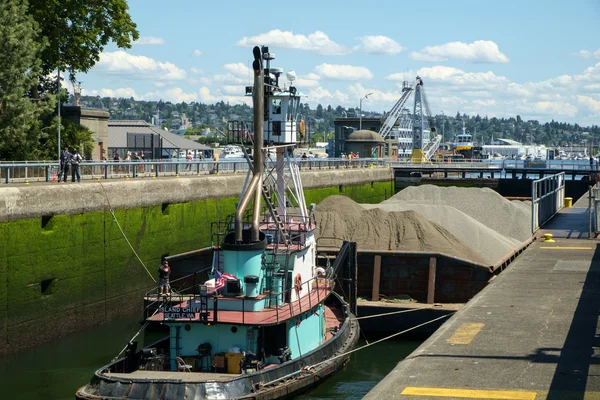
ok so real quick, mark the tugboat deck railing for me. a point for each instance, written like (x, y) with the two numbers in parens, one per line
(278, 310)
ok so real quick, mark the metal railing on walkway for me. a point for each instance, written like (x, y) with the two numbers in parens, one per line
(547, 198)
(594, 204)
(26, 172)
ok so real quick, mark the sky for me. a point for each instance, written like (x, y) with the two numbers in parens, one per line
(539, 59)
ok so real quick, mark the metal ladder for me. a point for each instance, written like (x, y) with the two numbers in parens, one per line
(268, 197)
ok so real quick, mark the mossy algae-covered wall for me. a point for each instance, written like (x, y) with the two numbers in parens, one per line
(63, 273)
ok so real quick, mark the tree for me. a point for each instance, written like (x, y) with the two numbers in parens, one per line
(77, 31)
(319, 111)
(19, 52)
(73, 136)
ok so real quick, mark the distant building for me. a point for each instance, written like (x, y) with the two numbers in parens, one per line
(95, 120)
(344, 127)
(156, 143)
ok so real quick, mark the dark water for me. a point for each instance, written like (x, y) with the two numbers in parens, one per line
(366, 368)
(55, 370)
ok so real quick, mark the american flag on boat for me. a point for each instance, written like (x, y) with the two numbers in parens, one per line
(221, 279)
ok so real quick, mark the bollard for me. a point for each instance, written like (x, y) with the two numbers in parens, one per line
(548, 238)
(568, 202)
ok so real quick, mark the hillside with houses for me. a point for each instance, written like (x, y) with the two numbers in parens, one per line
(208, 119)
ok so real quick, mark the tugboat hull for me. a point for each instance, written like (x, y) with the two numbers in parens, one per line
(281, 381)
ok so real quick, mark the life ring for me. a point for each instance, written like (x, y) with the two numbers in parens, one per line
(298, 283)
(302, 129)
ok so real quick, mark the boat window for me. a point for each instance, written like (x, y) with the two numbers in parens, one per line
(276, 106)
(276, 128)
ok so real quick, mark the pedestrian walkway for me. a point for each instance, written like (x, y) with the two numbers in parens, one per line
(532, 333)
(572, 223)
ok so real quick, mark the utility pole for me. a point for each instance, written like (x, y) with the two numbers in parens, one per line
(59, 120)
(443, 126)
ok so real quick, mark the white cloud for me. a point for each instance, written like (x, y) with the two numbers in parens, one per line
(317, 41)
(310, 80)
(206, 96)
(197, 71)
(197, 52)
(379, 45)
(485, 103)
(398, 76)
(549, 108)
(151, 40)
(457, 77)
(589, 103)
(483, 51)
(477, 93)
(320, 95)
(233, 89)
(176, 95)
(138, 67)
(343, 72)
(377, 98)
(239, 70)
(588, 54)
(104, 92)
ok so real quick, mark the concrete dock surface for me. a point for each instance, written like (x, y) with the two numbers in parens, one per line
(532, 333)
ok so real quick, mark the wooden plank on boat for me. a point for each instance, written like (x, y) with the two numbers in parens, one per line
(431, 283)
(376, 278)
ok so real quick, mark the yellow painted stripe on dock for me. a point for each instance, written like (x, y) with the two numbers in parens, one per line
(469, 393)
(465, 333)
(566, 248)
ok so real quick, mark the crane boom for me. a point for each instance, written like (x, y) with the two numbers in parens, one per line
(395, 112)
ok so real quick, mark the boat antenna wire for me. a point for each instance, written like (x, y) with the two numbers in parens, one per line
(121, 229)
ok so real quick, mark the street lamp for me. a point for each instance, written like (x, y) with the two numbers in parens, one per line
(360, 110)
(59, 120)
(443, 126)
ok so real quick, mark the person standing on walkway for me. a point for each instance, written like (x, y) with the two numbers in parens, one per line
(65, 158)
(67, 164)
(75, 163)
(163, 274)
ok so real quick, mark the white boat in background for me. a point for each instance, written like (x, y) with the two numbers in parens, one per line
(232, 152)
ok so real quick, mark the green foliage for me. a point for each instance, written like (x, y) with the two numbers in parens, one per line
(72, 135)
(78, 30)
(209, 139)
(19, 51)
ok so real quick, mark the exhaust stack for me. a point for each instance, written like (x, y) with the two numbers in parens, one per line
(255, 186)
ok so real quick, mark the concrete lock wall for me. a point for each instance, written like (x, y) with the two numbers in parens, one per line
(65, 266)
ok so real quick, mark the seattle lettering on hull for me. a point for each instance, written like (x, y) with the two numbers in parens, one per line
(179, 315)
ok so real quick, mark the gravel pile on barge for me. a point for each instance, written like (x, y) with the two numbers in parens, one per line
(506, 217)
(377, 229)
(472, 223)
(486, 242)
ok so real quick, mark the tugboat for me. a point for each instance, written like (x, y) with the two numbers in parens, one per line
(268, 324)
